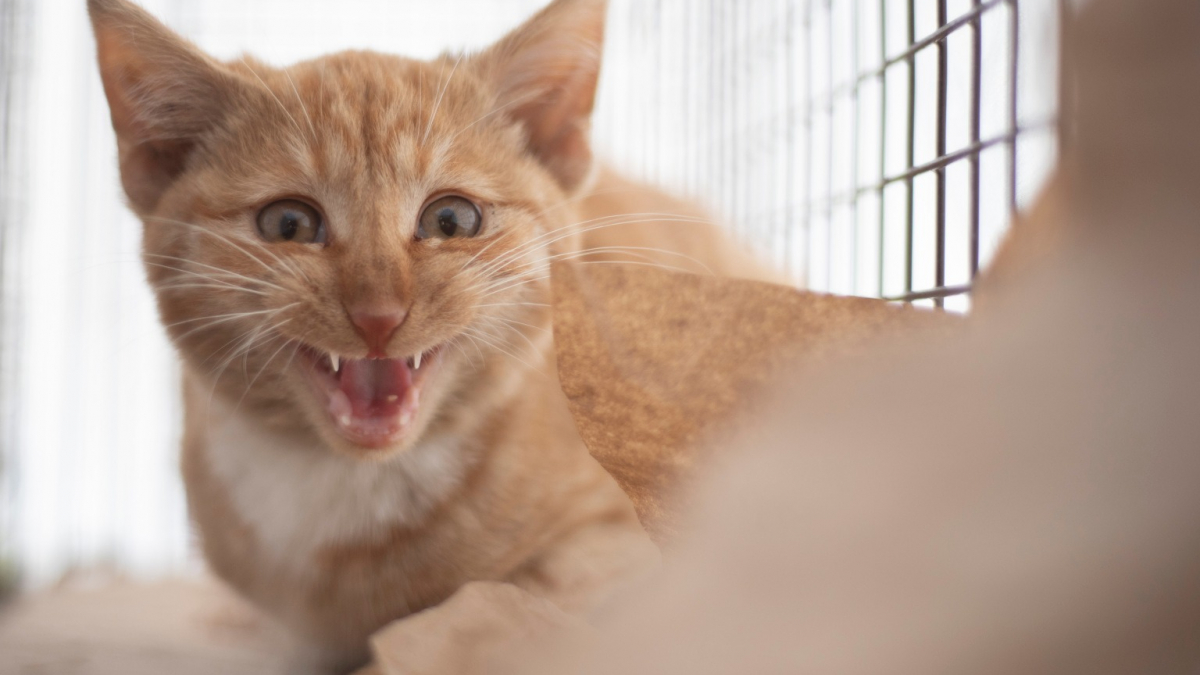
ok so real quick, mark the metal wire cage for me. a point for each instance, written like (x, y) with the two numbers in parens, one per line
(870, 147)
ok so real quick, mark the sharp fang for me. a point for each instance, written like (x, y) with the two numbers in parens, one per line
(417, 361)
(335, 362)
(392, 398)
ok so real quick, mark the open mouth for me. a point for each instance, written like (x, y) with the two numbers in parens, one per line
(372, 402)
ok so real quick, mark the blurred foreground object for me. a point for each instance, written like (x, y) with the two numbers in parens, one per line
(654, 362)
(1021, 498)
(108, 627)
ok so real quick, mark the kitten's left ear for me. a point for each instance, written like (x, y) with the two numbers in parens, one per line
(546, 73)
(163, 93)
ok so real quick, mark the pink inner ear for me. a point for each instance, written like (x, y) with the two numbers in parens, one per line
(558, 135)
(547, 70)
(147, 170)
(162, 92)
(156, 125)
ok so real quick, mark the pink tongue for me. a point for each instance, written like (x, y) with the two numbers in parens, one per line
(375, 387)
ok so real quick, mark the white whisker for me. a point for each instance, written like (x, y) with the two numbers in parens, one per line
(261, 370)
(272, 94)
(515, 304)
(303, 108)
(490, 340)
(238, 247)
(495, 110)
(221, 270)
(214, 320)
(211, 286)
(208, 278)
(635, 251)
(437, 104)
(510, 324)
(569, 231)
(516, 282)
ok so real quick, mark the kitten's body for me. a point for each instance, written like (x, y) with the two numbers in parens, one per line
(333, 508)
(340, 547)
(680, 228)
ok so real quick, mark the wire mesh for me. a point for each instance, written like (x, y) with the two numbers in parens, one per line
(870, 147)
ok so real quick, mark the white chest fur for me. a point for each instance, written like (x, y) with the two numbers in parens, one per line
(298, 496)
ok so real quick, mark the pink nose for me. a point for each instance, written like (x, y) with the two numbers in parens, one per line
(377, 328)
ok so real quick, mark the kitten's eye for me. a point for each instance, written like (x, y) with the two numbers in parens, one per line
(290, 220)
(449, 217)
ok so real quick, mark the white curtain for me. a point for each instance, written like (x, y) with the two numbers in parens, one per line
(709, 97)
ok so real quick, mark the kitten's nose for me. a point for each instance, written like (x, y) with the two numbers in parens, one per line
(377, 327)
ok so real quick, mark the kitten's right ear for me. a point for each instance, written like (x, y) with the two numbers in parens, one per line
(545, 73)
(163, 93)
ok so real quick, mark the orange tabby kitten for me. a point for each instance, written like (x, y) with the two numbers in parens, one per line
(351, 255)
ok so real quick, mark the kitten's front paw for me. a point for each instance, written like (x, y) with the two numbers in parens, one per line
(486, 627)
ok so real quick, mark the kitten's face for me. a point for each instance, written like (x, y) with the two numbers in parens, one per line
(357, 243)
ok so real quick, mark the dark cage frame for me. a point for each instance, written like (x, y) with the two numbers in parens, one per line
(972, 21)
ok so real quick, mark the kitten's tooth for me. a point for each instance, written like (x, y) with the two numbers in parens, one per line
(393, 398)
(417, 361)
(335, 362)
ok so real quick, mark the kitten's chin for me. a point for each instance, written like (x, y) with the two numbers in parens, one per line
(371, 404)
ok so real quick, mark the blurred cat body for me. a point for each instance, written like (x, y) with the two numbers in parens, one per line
(372, 418)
